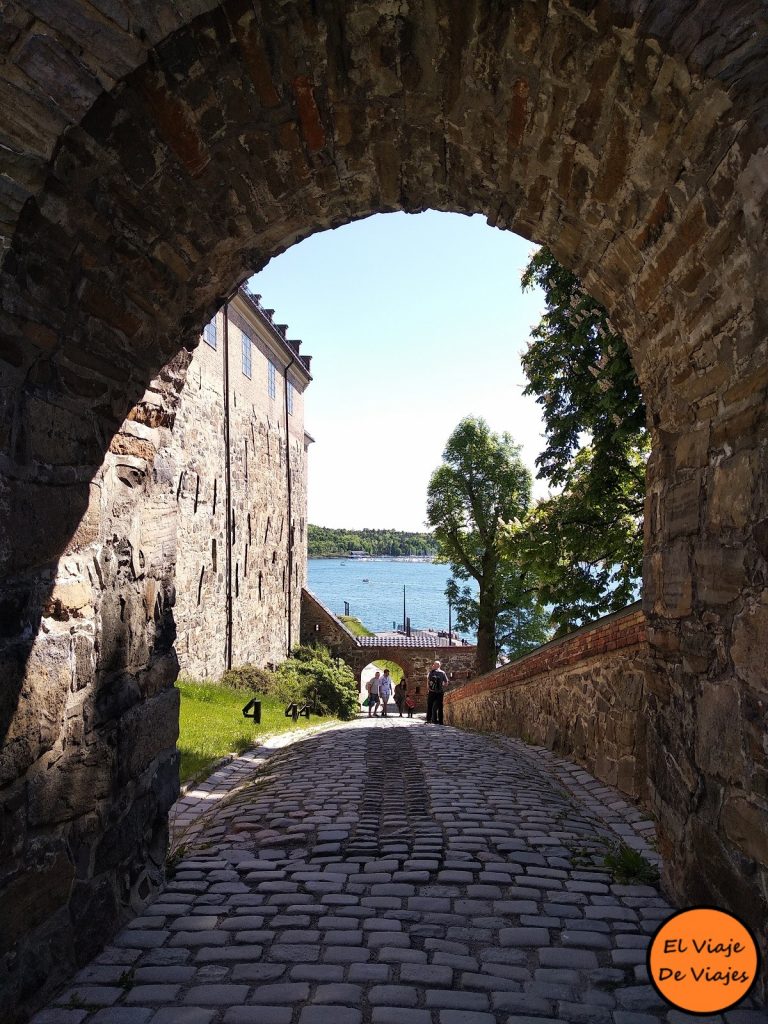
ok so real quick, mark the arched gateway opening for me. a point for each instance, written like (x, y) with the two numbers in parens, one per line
(156, 155)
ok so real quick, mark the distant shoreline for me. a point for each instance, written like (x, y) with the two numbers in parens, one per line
(375, 558)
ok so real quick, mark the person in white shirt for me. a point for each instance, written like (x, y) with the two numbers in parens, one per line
(373, 692)
(385, 691)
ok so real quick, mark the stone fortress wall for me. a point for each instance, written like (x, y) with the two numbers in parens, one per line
(88, 768)
(583, 695)
(265, 535)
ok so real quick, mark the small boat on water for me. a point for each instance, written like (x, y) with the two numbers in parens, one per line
(366, 581)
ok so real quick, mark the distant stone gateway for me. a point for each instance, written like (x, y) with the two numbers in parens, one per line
(153, 157)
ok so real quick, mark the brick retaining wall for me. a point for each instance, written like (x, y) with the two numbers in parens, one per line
(582, 696)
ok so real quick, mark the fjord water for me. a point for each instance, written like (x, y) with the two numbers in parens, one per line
(379, 602)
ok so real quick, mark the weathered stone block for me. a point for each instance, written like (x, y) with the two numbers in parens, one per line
(674, 585)
(45, 519)
(719, 745)
(746, 823)
(33, 697)
(70, 598)
(62, 787)
(730, 492)
(38, 891)
(147, 730)
(719, 573)
(691, 451)
(682, 508)
(750, 645)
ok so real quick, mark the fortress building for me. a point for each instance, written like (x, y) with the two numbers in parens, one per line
(241, 449)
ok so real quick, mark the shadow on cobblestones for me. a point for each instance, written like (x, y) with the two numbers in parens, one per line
(393, 873)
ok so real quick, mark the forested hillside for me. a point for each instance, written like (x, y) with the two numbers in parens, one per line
(326, 542)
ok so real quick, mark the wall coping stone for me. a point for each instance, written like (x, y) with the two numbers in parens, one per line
(617, 631)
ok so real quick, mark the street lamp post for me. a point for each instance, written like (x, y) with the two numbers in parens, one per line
(450, 625)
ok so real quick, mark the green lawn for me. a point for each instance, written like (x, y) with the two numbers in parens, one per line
(211, 725)
(355, 626)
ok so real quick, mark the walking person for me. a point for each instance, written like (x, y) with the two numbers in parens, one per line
(408, 702)
(385, 691)
(437, 681)
(400, 691)
(373, 693)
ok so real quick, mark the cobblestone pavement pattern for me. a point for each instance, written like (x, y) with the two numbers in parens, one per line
(397, 873)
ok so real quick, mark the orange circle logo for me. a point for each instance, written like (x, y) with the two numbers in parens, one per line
(703, 960)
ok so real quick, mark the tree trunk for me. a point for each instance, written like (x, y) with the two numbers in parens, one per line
(485, 660)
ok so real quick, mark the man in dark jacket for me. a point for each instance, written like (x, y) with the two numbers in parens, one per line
(436, 684)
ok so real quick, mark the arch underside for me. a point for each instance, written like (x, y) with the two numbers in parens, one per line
(157, 154)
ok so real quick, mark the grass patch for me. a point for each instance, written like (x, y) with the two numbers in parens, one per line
(211, 725)
(629, 867)
(355, 626)
(394, 669)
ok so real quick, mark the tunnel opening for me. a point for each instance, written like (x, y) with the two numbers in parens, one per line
(165, 159)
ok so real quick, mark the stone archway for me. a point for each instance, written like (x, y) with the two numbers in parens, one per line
(154, 155)
(413, 655)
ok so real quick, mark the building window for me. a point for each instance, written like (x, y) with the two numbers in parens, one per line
(247, 356)
(291, 391)
(209, 333)
(272, 379)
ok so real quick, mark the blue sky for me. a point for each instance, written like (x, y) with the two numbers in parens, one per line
(413, 322)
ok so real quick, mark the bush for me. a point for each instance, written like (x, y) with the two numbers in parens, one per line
(311, 676)
(303, 652)
(251, 678)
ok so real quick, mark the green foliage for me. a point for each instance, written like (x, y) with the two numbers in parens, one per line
(629, 867)
(522, 622)
(355, 626)
(327, 542)
(585, 543)
(312, 676)
(211, 725)
(250, 678)
(394, 669)
(582, 376)
(481, 483)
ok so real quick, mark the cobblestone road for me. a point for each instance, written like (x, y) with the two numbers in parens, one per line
(393, 873)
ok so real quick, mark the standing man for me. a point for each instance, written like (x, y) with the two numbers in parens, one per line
(385, 691)
(373, 693)
(437, 681)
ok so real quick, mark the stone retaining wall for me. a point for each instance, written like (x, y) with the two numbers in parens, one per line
(320, 625)
(583, 696)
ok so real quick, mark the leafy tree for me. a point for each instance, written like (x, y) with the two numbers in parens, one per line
(522, 621)
(481, 483)
(582, 376)
(585, 543)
